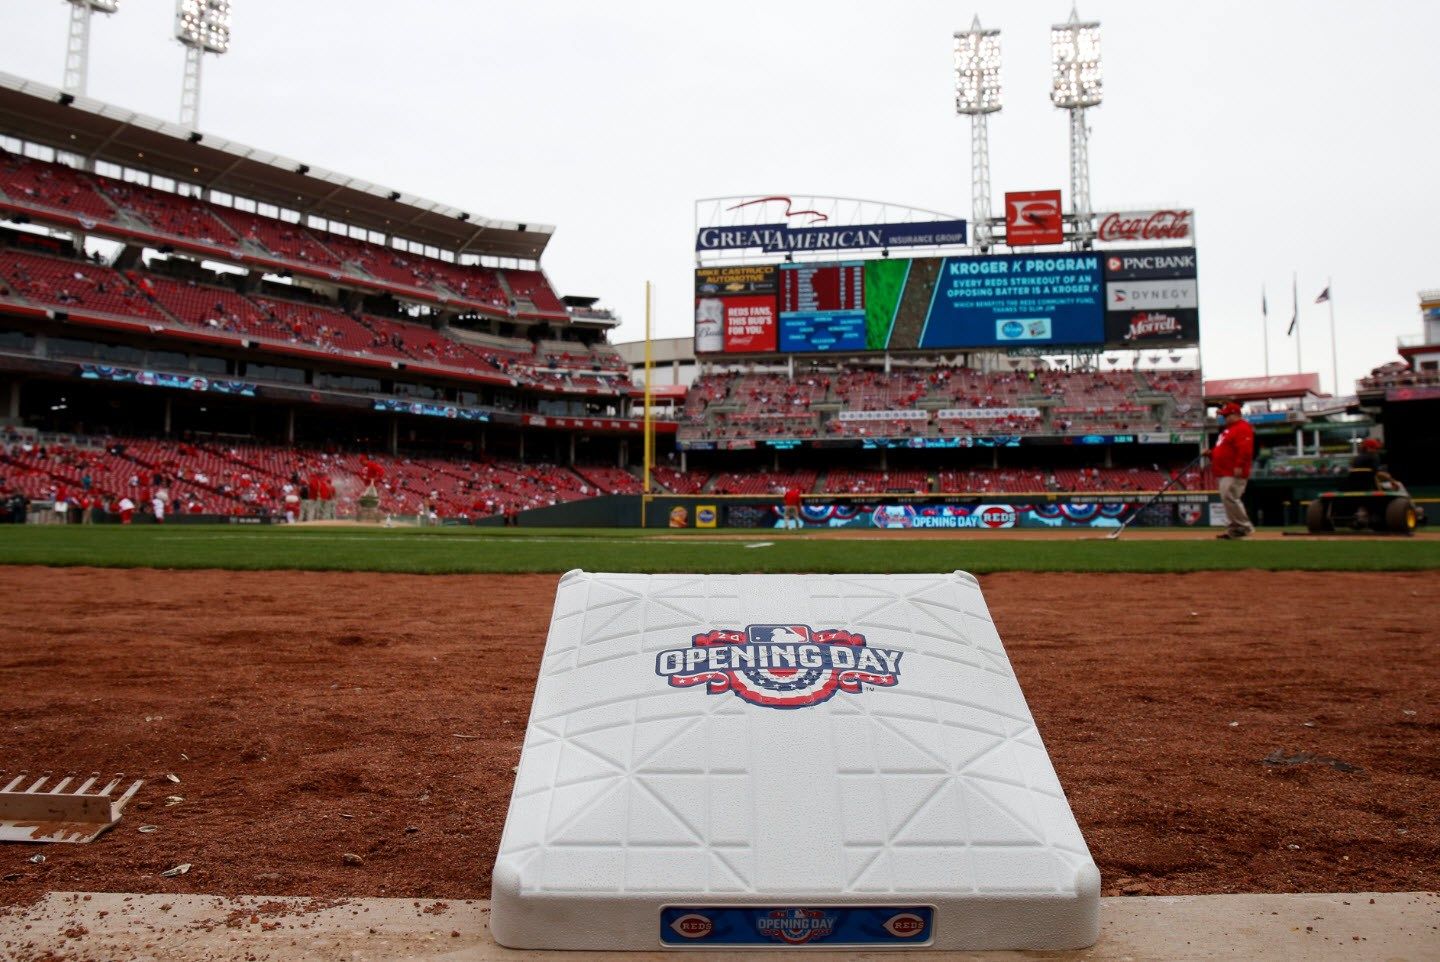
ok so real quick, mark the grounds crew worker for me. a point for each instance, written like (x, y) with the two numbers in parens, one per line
(1234, 452)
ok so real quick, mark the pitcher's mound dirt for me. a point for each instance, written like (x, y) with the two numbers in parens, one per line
(1215, 732)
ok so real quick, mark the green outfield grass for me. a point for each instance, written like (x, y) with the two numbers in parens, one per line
(467, 550)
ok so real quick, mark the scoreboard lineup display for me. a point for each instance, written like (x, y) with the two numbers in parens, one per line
(822, 307)
(1127, 299)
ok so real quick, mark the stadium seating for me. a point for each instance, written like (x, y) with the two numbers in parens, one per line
(286, 241)
(52, 185)
(762, 482)
(418, 341)
(532, 286)
(731, 405)
(74, 285)
(875, 482)
(130, 206)
(231, 478)
(200, 305)
(607, 479)
(169, 213)
(322, 327)
(679, 482)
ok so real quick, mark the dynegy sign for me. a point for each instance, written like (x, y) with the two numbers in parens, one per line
(780, 239)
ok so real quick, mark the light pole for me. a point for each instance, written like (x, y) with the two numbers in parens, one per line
(202, 26)
(77, 44)
(977, 95)
(1075, 56)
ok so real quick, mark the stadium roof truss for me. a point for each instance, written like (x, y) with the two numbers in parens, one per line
(99, 131)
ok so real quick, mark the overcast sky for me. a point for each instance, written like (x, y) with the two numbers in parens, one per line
(1304, 134)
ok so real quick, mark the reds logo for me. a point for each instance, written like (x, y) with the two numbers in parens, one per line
(796, 926)
(996, 515)
(780, 666)
(906, 925)
(692, 926)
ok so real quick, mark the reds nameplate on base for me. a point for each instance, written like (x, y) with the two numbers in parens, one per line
(785, 760)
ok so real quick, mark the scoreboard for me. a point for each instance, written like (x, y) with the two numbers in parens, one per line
(1063, 299)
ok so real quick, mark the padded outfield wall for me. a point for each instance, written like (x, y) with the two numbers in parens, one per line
(918, 512)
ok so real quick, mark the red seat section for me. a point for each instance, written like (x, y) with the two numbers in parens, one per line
(285, 240)
(74, 285)
(170, 213)
(63, 188)
(532, 286)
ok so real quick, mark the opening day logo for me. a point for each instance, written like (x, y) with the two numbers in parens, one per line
(796, 926)
(780, 666)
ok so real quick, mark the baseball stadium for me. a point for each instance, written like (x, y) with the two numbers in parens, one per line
(373, 596)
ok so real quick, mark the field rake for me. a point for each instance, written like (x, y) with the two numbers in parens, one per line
(59, 813)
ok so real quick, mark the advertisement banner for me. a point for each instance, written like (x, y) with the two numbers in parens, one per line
(1141, 328)
(1147, 265)
(1033, 217)
(907, 414)
(1261, 388)
(1188, 510)
(1145, 225)
(782, 239)
(706, 516)
(1031, 298)
(756, 279)
(1150, 295)
(735, 309)
(976, 414)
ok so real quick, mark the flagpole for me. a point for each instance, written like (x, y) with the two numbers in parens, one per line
(1265, 327)
(1334, 356)
(1295, 317)
(648, 426)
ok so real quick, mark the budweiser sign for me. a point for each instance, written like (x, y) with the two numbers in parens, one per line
(1147, 225)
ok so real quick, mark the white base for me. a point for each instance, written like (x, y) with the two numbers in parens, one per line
(921, 785)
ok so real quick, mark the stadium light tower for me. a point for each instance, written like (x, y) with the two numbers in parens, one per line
(1075, 55)
(77, 45)
(977, 95)
(203, 26)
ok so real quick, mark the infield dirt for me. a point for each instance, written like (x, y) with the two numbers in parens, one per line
(311, 715)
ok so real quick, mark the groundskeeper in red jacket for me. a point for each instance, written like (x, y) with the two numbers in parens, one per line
(1236, 446)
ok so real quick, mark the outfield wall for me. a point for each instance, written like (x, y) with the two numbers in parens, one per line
(940, 511)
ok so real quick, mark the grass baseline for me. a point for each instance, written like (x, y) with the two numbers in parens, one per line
(553, 550)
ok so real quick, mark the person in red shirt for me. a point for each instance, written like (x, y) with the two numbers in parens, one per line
(792, 507)
(1231, 460)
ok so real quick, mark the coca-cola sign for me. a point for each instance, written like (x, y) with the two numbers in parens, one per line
(1147, 225)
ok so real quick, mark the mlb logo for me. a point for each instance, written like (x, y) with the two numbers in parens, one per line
(778, 634)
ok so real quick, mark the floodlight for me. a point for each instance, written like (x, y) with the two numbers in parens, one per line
(204, 24)
(1075, 86)
(977, 70)
(1075, 57)
(977, 94)
(77, 45)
